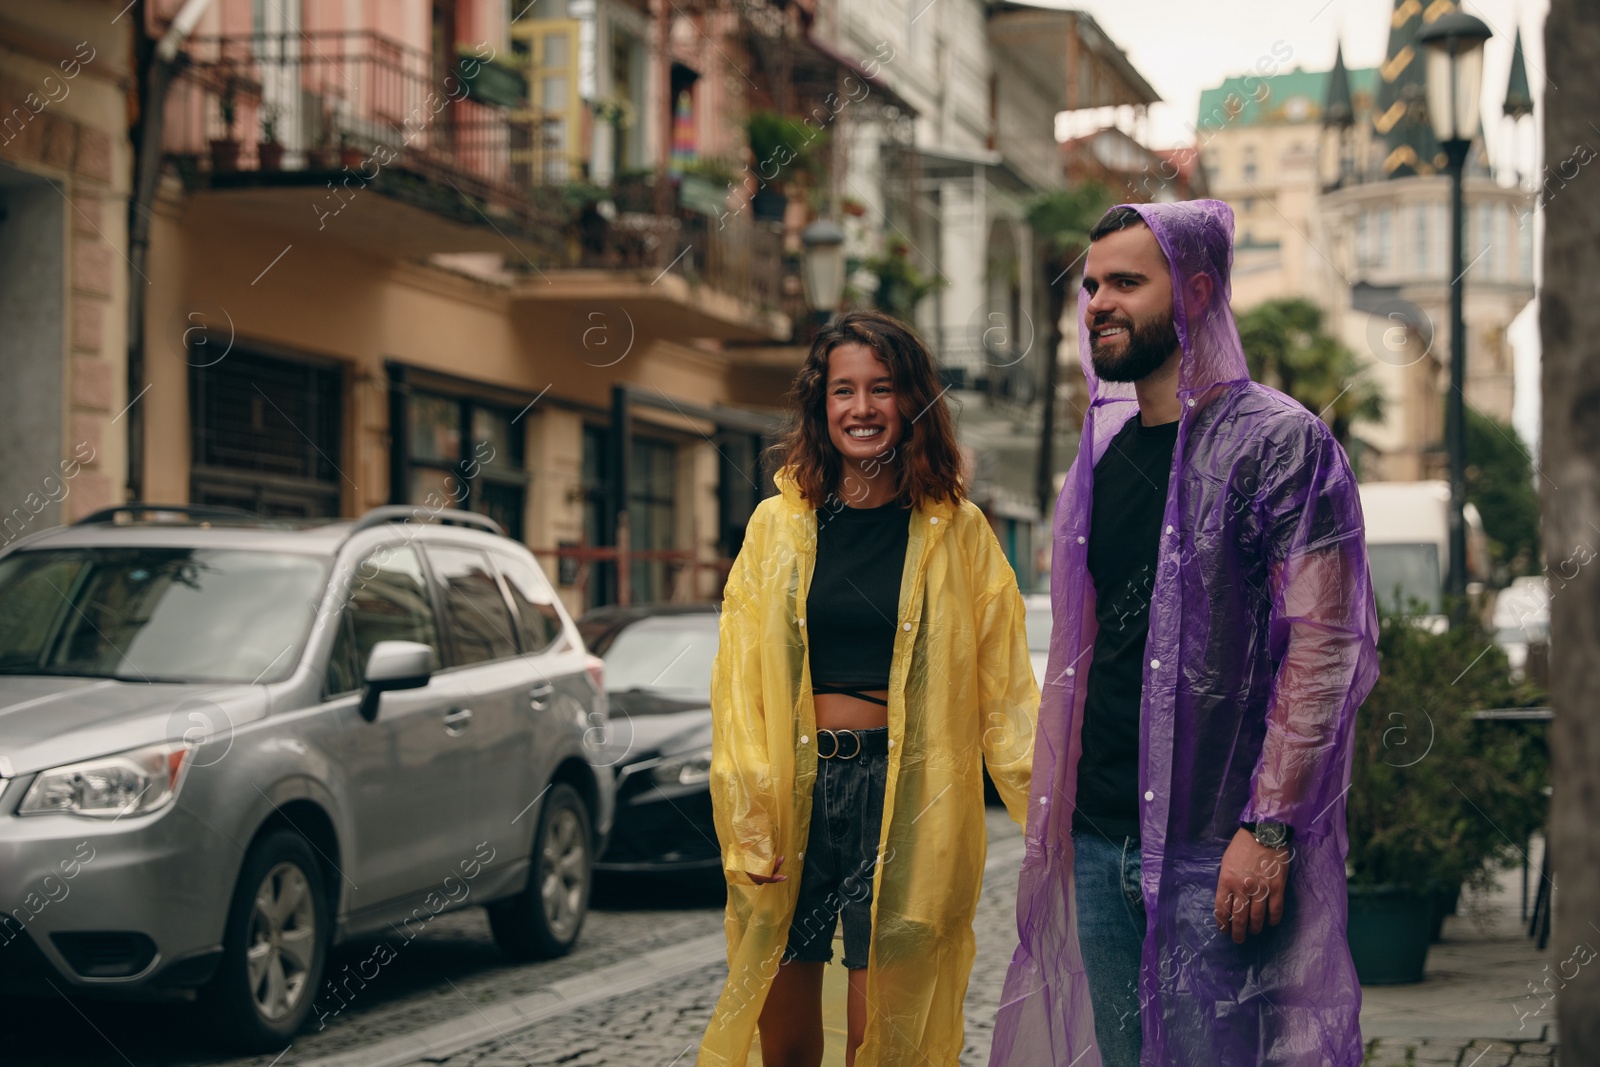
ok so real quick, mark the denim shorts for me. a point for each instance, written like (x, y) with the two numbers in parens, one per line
(840, 860)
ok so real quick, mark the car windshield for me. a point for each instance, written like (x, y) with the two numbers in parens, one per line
(157, 614)
(1038, 623)
(1413, 570)
(664, 653)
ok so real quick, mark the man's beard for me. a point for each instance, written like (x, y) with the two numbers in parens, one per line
(1147, 346)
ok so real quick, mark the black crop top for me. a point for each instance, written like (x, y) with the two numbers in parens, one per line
(853, 604)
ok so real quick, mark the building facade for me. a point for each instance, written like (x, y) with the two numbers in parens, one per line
(64, 278)
(1339, 196)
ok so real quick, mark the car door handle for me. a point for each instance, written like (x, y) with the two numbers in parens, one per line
(539, 695)
(457, 721)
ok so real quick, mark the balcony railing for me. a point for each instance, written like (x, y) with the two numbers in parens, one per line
(354, 105)
(322, 101)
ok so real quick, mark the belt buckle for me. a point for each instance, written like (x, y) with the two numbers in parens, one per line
(831, 736)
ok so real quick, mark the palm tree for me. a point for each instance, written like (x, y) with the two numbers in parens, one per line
(1286, 348)
(1061, 220)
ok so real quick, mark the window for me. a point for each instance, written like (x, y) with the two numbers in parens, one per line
(1385, 250)
(531, 595)
(475, 611)
(463, 453)
(265, 432)
(651, 515)
(388, 601)
(157, 614)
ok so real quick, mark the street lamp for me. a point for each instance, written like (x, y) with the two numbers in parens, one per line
(824, 267)
(1454, 46)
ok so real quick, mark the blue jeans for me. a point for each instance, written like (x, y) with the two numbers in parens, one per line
(1111, 927)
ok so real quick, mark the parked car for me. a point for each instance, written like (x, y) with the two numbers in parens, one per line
(227, 743)
(658, 684)
(1521, 617)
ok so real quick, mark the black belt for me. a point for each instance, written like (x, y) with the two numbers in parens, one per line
(852, 744)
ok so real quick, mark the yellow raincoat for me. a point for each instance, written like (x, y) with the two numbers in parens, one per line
(960, 683)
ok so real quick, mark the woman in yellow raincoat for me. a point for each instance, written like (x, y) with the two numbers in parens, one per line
(872, 659)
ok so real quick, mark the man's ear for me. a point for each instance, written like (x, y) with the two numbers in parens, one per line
(1201, 288)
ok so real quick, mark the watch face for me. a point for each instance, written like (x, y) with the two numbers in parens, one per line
(1272, 834)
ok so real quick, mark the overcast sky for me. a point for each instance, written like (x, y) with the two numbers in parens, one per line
(1181, 52)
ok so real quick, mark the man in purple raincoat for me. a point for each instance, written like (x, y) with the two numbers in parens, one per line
(1182, 897)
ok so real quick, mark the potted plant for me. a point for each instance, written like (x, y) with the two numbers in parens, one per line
(901, 286)
(783, 150)
(270, 150)
(323, 155)
(225, 150)
(1437, 799)
(350, 151)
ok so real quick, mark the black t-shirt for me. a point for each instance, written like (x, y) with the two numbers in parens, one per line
(854, 599)
(1130, 495)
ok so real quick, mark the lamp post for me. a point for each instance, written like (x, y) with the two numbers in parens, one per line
(1454, 46)
(823, 270)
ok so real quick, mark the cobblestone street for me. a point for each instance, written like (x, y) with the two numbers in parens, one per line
(641, 986)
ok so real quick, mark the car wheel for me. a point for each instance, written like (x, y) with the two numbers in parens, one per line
(274, 948)
(543, 920)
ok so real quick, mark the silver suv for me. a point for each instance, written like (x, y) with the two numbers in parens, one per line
(227, 743)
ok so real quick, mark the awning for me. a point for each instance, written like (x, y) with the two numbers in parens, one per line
(881, 89)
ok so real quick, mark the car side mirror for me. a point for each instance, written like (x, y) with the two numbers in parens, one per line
(394, 665)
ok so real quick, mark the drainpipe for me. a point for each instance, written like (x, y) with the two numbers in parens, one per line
(147, 176)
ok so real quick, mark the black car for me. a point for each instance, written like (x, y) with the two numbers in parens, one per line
(658, 736)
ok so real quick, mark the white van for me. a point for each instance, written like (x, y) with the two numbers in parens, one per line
(1408, 544)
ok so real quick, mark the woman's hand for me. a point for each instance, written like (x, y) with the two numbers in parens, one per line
(764, 879)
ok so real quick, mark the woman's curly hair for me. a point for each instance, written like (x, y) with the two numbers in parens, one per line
(925, 463)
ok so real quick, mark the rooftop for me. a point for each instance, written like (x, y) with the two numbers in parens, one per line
(1293, 97)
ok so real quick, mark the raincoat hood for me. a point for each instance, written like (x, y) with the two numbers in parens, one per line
(962, 697)
(1260, 649)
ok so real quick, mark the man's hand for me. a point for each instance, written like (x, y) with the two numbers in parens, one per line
(766, 879)
(1250, 887)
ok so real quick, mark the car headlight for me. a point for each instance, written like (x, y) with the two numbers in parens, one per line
(690, 768)
(129, 783)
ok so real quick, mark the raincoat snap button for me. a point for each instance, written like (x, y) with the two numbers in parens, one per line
(1191, 401)
(800, 855)
(891, 742)
(1155, 664)
(1080, 540)
(1043, 801)
(934, 520)
(802, 622)
(1169, 529)
(1069, 672)
(905, 626)
(1149, 794)
(805, 739)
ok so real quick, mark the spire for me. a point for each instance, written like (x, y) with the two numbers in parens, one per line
(1337, 110)
(1519, 101)
(1400, 116)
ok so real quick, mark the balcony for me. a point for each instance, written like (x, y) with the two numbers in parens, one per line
(360, 139)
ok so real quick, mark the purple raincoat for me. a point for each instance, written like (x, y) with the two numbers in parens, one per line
(1261, 648)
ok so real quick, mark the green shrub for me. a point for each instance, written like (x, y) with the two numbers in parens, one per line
(1438, 798)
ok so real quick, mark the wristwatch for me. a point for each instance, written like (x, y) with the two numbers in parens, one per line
(1270, 834)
